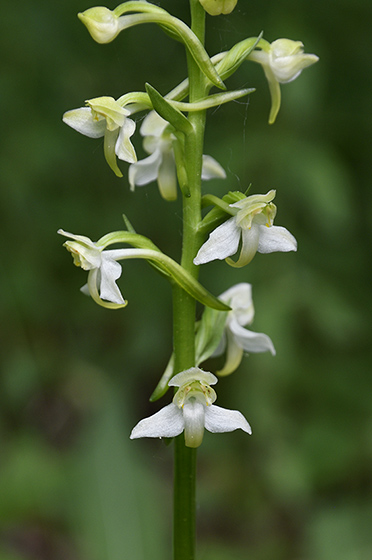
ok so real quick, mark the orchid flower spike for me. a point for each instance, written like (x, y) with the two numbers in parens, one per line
(191, 411)
(217, 7)
(236, 339)
(282, 61)
(160, 166)
(103, 269)
(104, 116)
(253, 226)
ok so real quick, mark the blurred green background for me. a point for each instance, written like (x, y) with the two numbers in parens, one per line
(76, 378)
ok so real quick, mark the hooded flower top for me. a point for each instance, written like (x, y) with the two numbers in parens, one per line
(191, 411)
(253, 226)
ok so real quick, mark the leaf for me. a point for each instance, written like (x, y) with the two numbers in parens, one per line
(168, 111)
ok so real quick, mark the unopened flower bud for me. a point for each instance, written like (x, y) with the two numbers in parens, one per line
(217, 7)
(101, 23)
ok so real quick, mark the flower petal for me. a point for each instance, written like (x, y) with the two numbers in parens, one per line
(219, 420)
(124, 148)
(234, 355)
(212, 169)
(94, 280)
(251, 341)
(144, 171)
(153, 125)
(110, 272)
(193, 415)
(82, 120)
(167, 422)
(222, 242)
(250, 240)
(275, 238)
(239, 297)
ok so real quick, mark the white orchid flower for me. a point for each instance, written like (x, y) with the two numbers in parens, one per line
(160, 166)
(282, 61)
(236, 339)
(103, 269)
(191, 411)
(105, 117)
(253, 227)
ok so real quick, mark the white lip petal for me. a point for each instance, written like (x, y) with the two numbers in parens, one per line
(193, 415)
(275, 238)
(222, 243)
(83, 121)
(145, 171)
(218, 420)
(168, 422)
(234, 355)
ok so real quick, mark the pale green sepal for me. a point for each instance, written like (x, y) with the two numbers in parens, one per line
(162, 387)
(169, 112)
(209, 334)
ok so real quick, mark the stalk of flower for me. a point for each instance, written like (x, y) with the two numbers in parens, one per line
(160, 165)
(105, 117)
(282, 61)
(253, 226)
(191, 411)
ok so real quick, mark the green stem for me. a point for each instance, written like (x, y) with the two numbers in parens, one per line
(184, 305)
